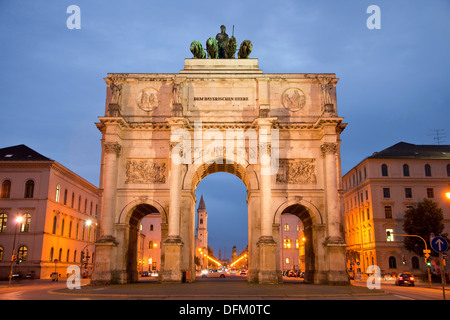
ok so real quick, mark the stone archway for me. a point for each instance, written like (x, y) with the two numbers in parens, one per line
(154, 152)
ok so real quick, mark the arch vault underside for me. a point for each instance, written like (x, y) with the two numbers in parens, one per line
(155, 128)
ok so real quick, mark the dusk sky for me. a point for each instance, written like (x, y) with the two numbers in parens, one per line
(394, 81)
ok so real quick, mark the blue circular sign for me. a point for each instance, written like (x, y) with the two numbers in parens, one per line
(439, 244)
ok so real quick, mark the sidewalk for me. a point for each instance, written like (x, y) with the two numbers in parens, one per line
(217, 289)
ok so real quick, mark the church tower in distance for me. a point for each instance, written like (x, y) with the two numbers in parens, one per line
(202, 226)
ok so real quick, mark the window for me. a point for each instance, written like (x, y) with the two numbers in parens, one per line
(22, 253)
(67, 255)
(405, 170)
(62, 227)
(73, 199)
(75, 256)
(430, 193)
(60, 255)
(287, 261)
(448, 170)
(29, 189)
(392, 263)
(368, 214)
(151, 227)
(415, 263)
(6, 189)
(390, 235)
(58, 191)
(408, 193)
(79, 203)
(51, 254)
(384, 170)
(388, 212)
(70, 230)
(3, 220)
(1, 253)
(386, 192)
(427, 170)
(287, 243)
(286, 227)
(54, 225)
(26, 223)
(65, 197)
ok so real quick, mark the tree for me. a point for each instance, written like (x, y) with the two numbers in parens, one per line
(422, 220)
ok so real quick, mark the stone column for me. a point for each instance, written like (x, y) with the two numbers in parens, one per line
(112, 151)
(329, 151)
(334, 244)
(103, 271)
(173, 244)
(266, 243)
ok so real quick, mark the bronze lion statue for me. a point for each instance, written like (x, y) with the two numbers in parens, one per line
(197, 50)
(245, 49)
(212, 48)
(230, 49)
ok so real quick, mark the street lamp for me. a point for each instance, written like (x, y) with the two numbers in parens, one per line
(18, 221)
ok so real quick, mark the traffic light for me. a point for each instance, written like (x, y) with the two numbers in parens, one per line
(404, 260)
(82, 256)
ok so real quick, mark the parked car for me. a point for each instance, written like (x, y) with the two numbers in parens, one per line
(244, 272)
(214, 273)
(145, 274)
(154, 274)
(405, 278)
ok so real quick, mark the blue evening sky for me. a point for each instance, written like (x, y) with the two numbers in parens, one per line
(394, 82)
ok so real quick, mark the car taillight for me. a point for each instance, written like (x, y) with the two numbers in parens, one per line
(412, 278)
(400, 278)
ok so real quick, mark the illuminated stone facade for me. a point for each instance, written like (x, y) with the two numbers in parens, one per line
(161, 136)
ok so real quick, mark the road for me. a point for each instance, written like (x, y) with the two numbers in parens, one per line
(38, 290)
(418, 292)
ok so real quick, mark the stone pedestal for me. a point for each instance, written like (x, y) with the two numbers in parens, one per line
(172, 260)
(336, 251)
(268, 266)
(102, 271)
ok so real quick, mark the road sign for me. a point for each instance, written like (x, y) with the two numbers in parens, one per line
(439, 244)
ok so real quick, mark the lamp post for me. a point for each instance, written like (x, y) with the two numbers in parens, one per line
(18, 221)
(88, 223)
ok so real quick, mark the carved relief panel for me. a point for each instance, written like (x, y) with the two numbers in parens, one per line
(146, 171)
(300, 171)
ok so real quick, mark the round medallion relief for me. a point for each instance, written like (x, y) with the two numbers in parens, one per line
(147, 99)
(293, 99)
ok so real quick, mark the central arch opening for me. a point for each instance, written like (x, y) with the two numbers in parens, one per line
(221, 221)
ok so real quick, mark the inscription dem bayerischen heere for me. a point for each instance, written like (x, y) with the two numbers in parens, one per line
(220, 98)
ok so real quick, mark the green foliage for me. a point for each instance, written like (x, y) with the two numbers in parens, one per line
(422, 220)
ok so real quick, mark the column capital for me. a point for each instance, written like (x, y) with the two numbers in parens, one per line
(264, 122)
(329, 147)
(177, 122)
(112, 147)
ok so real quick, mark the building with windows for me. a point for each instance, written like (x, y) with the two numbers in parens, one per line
(48, 215)
(378, 191)
(292, 242)
(149, 253)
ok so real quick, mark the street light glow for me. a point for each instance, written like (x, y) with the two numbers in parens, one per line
(19, 219)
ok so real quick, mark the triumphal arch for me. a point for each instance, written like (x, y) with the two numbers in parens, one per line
(163, 133)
